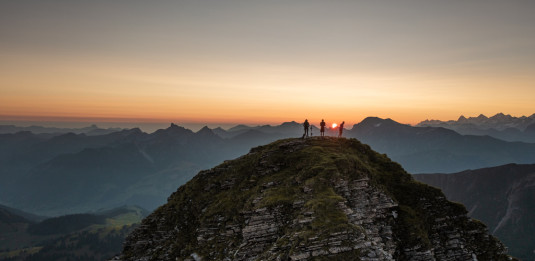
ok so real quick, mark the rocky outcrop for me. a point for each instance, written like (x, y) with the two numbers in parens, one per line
(312, 199)
(501, 197)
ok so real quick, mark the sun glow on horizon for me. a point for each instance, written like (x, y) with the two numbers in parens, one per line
(182, 67)
(334, 125)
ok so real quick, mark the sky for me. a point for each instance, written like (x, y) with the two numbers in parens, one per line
(265, 62)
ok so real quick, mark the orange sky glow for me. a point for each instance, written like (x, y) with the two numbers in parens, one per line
(267, 62)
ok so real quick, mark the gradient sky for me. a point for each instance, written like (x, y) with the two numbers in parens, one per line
(266, 61)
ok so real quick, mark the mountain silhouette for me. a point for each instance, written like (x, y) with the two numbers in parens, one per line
(77, 173)
(310, 199)
(90, 130)
(501, 126)
(92, 172)
(436, 149)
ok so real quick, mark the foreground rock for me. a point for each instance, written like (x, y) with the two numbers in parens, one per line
(313, 199)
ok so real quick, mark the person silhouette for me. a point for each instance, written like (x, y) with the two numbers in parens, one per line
(306, 125)
(322, 128)
(341, 129)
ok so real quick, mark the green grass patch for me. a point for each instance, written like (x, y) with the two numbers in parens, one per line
(124, 219)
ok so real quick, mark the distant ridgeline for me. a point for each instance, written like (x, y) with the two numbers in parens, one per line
(310, 199)
(436, 149)
(505, 127)
(57, 174)
(91, 130)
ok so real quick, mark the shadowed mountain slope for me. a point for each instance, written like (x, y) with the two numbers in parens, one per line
(502, 197)
(90, 236)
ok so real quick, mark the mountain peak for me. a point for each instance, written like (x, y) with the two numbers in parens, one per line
(309, 198)
(173, 131)
(131, 131)
(205, 132)
(239, 127)
(482, 117)
(374, 123)
(204, 129)
(136, 130)
(501, 116)
(376, 120)
(174, 127)
(290, 123)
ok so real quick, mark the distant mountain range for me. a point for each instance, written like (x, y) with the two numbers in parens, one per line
(502, 197)
(501, 126)
(76, 173)
(90, 130)
(70, 173)
(436, 149)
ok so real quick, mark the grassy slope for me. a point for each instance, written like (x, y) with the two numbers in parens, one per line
(98, 241)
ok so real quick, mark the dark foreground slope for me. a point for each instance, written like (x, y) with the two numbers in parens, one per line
(503, 197)
(310, 199)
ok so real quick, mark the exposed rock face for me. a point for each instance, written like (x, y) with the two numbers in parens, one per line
(313, 199)
(502, 197)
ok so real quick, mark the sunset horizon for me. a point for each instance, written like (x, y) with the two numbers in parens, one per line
(266, 62)
(154, 123)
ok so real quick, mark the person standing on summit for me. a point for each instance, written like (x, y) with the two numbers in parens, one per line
(341, 129)
(322, 128)
(306, 125)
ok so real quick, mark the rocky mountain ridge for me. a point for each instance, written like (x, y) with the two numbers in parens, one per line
(313, 199)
